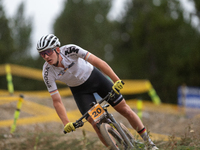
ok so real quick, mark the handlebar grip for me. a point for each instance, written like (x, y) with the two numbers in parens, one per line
(117, 89)
(75, 125)
(78, 124)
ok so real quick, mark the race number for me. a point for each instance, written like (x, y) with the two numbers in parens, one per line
(96, 111)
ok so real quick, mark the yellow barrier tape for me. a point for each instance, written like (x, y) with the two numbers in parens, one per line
(37, 109)
(26, 72)
(135, 86)
(41, 94)
(9, 98)
(5, 100)
(130, 87)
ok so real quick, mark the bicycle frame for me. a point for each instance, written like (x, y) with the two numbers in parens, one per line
(106, 117)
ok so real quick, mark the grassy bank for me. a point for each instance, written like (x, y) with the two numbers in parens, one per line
(52, 141)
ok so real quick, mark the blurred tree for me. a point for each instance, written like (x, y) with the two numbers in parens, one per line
(197, 6)
(153, 41)
(21, 33)
(15, 44)
(193, 69)
(6, 41)
(85, 23)
(158, 44)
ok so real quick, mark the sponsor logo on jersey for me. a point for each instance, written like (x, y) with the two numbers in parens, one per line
(70, 50)
(62, 72)
(46, 80)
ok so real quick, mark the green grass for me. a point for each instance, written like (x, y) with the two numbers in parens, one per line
(189, 141)
(48, 141)
(52, 141)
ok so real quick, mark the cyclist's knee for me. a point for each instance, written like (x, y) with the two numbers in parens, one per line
(91, 121)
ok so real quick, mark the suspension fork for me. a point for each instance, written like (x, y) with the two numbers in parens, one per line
(120, 130)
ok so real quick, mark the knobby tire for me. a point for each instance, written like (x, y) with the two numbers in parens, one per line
(128, 133)
(137, 144)
(112, 137)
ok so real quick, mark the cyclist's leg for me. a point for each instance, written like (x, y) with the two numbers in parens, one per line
(130, 115)
(83, 102)
(134, 120)
(97, 130)
(105, 86)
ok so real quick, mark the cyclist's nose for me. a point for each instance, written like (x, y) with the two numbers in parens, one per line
(46, 56)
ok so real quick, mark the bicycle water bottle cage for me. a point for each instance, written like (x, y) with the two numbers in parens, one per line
(92, 104)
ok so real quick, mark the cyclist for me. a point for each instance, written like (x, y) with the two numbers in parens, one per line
(78, 69)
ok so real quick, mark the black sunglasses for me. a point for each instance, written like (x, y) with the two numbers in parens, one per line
(48, 52)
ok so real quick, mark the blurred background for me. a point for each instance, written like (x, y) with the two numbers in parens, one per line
(157, 40)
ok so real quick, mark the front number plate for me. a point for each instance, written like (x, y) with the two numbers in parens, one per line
(96, 111)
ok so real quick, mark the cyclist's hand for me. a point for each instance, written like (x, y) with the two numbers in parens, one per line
(69, 127)
(118, 85)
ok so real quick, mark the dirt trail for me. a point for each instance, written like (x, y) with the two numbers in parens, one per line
(161, 123)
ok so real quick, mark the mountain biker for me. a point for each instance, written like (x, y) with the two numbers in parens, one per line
(78, 69)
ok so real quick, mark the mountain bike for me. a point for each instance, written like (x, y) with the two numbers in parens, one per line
(115, 134)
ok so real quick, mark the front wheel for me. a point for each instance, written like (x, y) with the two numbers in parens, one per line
(135, 143)
(128, 133)
(112, 137)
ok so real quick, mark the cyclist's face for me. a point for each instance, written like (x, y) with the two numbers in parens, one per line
(50, 56)
(48, 52)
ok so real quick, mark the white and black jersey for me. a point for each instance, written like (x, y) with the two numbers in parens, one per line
(83, 78)
(75, 72)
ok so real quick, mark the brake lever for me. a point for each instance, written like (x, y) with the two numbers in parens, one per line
(78, 124)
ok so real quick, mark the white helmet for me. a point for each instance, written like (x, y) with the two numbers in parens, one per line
(46, 42)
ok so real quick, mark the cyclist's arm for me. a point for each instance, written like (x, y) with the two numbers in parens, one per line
(59, 107)
(103, 66)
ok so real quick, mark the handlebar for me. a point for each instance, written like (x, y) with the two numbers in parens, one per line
(79, 123)
(109, 96)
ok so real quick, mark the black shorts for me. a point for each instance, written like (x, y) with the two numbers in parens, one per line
(96, 83)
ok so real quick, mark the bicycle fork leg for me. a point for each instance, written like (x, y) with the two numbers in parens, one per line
(120, 130)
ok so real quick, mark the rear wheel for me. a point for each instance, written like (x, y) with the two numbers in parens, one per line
(112, 137)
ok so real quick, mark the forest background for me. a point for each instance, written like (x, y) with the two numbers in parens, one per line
(154, 40)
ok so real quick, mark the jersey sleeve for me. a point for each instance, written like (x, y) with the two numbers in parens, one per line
(84, 54)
